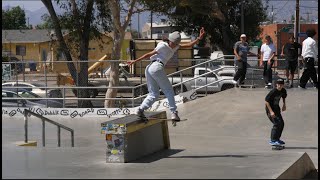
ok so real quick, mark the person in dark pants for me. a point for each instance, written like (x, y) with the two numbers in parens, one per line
(268, 51)
(290, 52)
(241, 50)
(309, 54)
(274, 112)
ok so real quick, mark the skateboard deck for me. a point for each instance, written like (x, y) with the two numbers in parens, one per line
(247, 86)
(166, 119)
(277, 147)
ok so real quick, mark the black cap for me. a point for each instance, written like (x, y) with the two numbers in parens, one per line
(280, 81)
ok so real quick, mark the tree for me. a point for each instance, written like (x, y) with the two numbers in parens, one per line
(119, 26)
(82, 24)
(14, 18)
(47, 22)
(221, 19)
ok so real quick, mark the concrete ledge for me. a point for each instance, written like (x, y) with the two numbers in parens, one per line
(299, 169)
(128, 138)
(29, 143)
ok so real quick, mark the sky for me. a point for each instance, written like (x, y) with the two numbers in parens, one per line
(283, 9)
(31, 5)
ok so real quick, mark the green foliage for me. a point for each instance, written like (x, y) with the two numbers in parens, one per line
(47, 22)
(14, 18)
(220, 18)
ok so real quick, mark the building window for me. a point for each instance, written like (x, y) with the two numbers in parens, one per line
(20, 50)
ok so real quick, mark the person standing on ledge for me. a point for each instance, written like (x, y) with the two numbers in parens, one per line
(156, 75)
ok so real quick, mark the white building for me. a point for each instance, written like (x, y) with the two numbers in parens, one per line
(159, 30)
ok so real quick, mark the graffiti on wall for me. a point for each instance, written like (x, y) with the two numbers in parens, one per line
(95, 112)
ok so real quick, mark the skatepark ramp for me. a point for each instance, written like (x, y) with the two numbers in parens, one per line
(225, 137)
(299, 169)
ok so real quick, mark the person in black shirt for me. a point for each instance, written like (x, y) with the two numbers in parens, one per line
(274, 112)
(290, 52)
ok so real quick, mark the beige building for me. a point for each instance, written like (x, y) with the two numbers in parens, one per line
(38, 46)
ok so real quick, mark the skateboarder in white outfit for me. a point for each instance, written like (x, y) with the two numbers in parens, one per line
(156, 75)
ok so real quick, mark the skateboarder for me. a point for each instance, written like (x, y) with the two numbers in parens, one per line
(156, 76)
(274, 112)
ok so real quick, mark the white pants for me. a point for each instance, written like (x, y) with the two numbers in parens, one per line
(157, 78)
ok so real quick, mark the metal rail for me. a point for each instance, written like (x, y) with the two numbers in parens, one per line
(44, 119)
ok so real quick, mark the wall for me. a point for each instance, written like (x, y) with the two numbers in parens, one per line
(284, 36)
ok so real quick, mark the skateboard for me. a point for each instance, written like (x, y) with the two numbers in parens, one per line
(277, 147)
(174, 122)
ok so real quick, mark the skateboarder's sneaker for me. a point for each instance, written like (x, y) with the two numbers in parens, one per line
(274, 143)
(281, 142)
(141, 115)
(175, 117)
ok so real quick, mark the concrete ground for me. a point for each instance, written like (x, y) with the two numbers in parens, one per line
(226, 136)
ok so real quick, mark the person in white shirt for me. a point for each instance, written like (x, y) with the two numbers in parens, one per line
(268, 51)
(309, 54)
(156, 76)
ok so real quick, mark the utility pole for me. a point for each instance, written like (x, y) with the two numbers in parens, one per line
(138, 25)
(296, 24)
(242, 19)
(272, 14)
(151, 25)
(307, 21)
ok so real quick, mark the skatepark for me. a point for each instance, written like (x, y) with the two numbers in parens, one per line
(225, 137)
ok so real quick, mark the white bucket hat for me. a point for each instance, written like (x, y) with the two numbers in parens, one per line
(175, 37)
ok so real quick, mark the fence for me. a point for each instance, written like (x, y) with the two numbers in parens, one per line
(132, 88)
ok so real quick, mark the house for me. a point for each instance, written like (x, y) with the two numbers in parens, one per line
(40, 45)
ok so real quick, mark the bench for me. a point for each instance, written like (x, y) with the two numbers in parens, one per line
(128, 138)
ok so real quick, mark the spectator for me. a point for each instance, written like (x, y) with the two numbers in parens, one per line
(309, 54)
(268, 51)
(290, 52)
(241, 50)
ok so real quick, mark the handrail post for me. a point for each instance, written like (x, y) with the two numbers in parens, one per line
(64, 97)
(43, 133)
(72, 139)
(25, 126)
(59, 135)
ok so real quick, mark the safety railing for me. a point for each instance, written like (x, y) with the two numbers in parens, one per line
(44, 119)
(252, 77)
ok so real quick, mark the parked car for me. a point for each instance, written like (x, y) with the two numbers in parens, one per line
(217, 82)
(24, 101)
(36, 88)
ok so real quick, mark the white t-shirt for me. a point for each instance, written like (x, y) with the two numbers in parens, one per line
(164, 52)
(309, 48)
(267, 50)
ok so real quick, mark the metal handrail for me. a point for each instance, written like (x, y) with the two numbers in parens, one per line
(26, 112)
